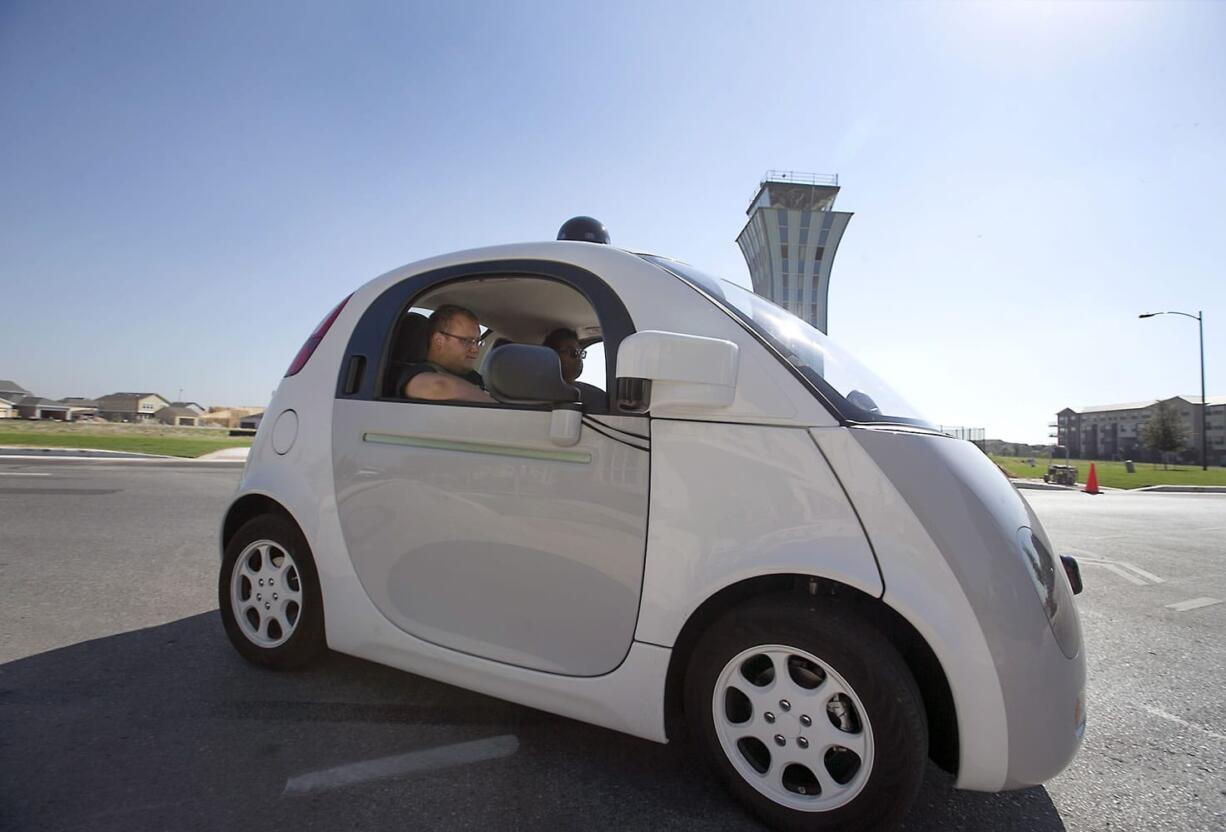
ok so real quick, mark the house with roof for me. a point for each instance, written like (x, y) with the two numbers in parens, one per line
(178, 416)
(37, 407)
(194, 406)
(63, 410)
(16, 402)
(79, 406)
(10, 393)
(130, 407)
(227, 417)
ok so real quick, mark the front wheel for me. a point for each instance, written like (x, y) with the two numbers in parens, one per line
(268, 590)
(809, 715)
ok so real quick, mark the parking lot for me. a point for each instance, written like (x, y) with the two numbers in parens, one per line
(122, 705)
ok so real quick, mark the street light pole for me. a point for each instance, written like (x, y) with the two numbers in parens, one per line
(1199, 317)
(1204, 402)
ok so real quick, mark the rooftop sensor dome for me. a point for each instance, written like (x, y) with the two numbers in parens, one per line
(584, 230)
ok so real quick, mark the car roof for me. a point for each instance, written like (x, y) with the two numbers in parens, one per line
(536, 320)
(587, 255)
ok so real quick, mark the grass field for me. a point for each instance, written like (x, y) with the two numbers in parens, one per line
(1114, 475)
(144, 439)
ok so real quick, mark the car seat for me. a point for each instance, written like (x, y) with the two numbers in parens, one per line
(409, 346)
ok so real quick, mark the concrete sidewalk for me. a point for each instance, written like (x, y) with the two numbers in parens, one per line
(227, 454)
(1183, 489)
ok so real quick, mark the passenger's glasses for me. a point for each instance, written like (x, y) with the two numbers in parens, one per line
(574, 353)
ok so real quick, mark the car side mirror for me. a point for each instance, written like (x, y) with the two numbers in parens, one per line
(660, 370)
(523, 374)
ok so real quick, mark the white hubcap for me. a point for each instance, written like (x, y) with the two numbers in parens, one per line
(266, 593)
(793, 728)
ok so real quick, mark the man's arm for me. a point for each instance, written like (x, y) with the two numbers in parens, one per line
(441, 387)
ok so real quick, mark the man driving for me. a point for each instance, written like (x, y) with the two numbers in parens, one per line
(447, 374)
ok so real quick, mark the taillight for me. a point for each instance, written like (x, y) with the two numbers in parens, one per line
(312, 342)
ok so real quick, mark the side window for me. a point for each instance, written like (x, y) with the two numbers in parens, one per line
(441, 340)
(594, 366)
(528, 297)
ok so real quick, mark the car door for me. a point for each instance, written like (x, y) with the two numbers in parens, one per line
(469, 528)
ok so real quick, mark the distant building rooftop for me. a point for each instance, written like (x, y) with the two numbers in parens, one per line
(1212, 401)
(801, 178)
(1100, 408)
(39, 401)
(795, 189)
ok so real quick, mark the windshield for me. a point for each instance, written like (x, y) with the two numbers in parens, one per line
(851, 388)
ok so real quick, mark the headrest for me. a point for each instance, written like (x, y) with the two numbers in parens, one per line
(412, 340)
(525, 374)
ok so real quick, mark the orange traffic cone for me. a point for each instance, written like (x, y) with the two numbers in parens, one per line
(1092, 482)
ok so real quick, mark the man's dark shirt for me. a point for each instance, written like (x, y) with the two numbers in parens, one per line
(413, 370)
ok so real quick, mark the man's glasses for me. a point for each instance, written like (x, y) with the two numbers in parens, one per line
(573, 353)
(471, 343)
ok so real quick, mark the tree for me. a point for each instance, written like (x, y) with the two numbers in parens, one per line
(1164, 433)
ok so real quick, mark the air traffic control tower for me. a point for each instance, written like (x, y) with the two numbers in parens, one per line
(790, 241)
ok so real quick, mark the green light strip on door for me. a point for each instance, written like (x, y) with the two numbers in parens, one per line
(579, 457)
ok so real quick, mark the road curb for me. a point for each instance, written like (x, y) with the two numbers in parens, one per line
(1042, 486)
(148, 461)
(1149, 489)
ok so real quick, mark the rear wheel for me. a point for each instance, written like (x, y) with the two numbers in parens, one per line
(268, 591)
(808, 715)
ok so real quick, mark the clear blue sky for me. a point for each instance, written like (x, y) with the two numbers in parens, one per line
(186, 188)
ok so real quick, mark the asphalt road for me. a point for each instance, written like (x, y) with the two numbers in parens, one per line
(122, 705)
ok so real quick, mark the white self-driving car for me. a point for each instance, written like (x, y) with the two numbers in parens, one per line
(747, 536)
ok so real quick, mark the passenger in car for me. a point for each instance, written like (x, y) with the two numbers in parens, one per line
(565, 342)
(447, 374)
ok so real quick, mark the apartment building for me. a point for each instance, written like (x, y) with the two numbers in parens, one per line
(1112, 431)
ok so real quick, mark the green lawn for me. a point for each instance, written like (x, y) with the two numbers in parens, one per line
(182, 442)
(1114, 475)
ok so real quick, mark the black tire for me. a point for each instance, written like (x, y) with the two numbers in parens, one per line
(830, 630)
(306, 640)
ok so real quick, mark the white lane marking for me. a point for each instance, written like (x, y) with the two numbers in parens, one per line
(1143, 573)
(1111, 567)
(21, 474)
(1194, 604)
(1171, 717)
(445, 756)
(1094, 560)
